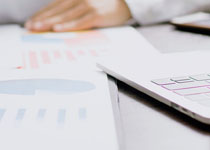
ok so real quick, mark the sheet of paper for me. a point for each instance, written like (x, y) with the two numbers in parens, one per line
(47, 109)
(57, 98)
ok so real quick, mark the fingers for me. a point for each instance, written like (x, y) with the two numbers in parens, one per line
(56, 8)
(50, 6)
(69, 15)
(85, 22)
(64, 20)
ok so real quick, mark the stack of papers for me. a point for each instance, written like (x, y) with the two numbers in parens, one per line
(52, 95)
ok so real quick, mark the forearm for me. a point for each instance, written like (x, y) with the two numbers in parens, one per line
(155, 11)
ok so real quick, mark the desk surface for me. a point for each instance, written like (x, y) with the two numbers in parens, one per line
(150, 125)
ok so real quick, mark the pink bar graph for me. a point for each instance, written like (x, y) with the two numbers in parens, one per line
(57, 55)
(81, 52)
(33, 60)
(70, 56)
(45, 57)
(93, 53)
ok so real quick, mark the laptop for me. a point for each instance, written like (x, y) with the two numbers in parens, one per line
(180, 80)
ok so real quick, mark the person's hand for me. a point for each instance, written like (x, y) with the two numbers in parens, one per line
(70, 15)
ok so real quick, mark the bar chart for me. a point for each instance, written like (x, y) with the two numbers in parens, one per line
(35, 59)
(41, 114)
(41, 50)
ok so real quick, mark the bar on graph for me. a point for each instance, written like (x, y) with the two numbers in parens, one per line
(2, 112)
(61, 116)
(93, 53)
(45, 57)
(57, 55)
(20, 114)
(82, 113)
(81, 52)
(70, 55)
(33, 60)
(41, 114)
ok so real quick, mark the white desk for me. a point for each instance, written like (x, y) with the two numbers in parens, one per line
(150, 125)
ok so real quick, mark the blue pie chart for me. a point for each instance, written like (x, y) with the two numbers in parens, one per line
(54, 86)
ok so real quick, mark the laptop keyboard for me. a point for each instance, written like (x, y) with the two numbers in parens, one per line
(195, 88)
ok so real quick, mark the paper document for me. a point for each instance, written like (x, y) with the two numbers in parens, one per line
(57, 98)
(56, 110)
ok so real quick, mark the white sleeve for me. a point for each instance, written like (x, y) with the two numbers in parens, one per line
(155, 11)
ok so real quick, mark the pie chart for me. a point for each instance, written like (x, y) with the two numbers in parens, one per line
(50, 86)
